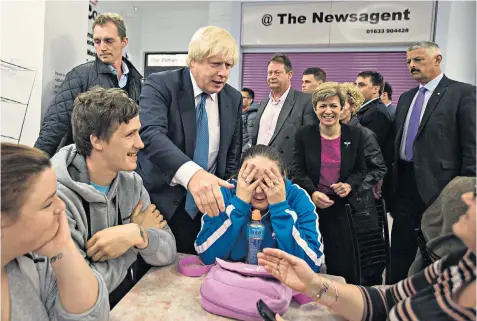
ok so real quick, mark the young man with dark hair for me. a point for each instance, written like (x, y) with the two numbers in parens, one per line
(311, 79)
(374, 115)
(283, 111)
(249, 113)
(109, 211)
(387, 97)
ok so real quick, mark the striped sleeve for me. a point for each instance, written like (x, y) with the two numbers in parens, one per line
(218, 234)
(379, 300)
(296, 227)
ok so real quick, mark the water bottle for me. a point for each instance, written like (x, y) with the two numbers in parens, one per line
(255, 237)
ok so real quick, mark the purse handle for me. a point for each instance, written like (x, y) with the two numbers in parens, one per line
(192, 266)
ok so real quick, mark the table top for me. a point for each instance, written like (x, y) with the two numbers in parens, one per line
(165, 294)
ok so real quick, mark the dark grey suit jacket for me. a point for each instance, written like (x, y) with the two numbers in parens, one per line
(169, 132)
(297, 111)
(391, 110)
(445, 143)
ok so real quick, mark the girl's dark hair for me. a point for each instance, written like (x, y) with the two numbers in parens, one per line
(20, 166)
(264, 151)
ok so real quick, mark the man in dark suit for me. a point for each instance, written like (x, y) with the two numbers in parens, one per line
(435, 142)
(192, 134)
(387, 97)
(374, 115)
(283, 112)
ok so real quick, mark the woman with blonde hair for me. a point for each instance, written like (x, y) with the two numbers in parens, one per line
(329, 163)
(354, 100)
(372, 152)
(54, 282)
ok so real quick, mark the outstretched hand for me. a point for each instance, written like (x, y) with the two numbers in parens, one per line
(290, 270)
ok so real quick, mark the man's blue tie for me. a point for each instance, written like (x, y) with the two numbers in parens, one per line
(413, 125)
(201, 152)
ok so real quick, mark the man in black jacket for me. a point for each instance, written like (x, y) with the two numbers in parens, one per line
(374, 115)
(249, 113)
(435, 142)
(109, 70)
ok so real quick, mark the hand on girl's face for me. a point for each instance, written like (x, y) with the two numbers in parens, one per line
(246, 183)
(273, 186)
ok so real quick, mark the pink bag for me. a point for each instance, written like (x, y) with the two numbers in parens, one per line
(233, 289)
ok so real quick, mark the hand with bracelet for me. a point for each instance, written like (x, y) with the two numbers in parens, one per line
(344, 299)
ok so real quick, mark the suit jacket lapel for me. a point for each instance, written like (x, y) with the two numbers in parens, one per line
(260, 111)
(347, 157)
(314, 156)
(401, 119)
(432, 103)
(187, 112)
(227, 121)
(286, 109)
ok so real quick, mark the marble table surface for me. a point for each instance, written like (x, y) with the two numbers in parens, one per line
(164, 294)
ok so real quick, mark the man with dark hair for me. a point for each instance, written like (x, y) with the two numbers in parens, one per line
(109, 211)
(249, 113)
(283, 111)
(109, 70)
(311, 79)
(374, 115)
(387, 97)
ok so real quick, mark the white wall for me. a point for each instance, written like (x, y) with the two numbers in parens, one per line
(64, 43)
(49, 37)
(22, 44)
(456, 35)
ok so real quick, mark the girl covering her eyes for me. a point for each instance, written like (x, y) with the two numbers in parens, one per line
(288, 214)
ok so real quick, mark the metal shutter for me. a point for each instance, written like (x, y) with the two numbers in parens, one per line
(339, 66)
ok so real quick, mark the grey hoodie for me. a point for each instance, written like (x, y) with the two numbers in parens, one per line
(34, 293)
(127, 189)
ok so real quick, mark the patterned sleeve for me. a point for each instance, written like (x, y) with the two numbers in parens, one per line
(379, 300)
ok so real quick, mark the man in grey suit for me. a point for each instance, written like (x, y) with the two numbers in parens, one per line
(387, 97)
(435, 142)
(283, 112)
(191, 130)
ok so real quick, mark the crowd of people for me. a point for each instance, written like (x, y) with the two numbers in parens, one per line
(125, 174)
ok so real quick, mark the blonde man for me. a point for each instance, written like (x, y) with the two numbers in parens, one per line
(109, 70)
(191, 122)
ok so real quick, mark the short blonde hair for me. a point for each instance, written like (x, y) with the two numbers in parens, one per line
(326, 90)
(211, 41)
(354, 95)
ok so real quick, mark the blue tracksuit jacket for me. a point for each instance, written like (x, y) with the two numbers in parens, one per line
(291, 226)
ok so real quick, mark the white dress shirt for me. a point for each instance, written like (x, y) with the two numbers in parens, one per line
(187, 170)
(269, 119)
(430, 86)
(368, 102)
(122, 82)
